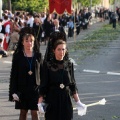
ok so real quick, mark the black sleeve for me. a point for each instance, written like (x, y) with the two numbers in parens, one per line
(44, 81)
(73, 87)
(13, 78)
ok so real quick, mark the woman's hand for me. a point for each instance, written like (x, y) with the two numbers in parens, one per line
(15, 97)
(82, 108)
(40, 100)
(40, 108)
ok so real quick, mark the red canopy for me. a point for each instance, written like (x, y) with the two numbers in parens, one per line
(60, 6)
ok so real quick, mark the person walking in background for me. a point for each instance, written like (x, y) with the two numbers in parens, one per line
(30, 19)
(114, 19)
(38, 27)
(57, 26)
(48, 27)
(70, 25)
(58, 84)
(26, 74)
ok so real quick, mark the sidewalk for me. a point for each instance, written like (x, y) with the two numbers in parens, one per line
(7, 111)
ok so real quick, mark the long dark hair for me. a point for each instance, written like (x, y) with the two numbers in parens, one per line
(54, 37)
(24, 31)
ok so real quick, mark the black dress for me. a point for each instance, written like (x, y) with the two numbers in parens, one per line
(29, 98)
(23, 84)
(58, 100)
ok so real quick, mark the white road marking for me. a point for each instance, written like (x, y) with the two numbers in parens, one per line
(9, 62)
(4, 73)
(113, 73)
(95, 71)
(91, 71)
(3, 69)
(4, 76)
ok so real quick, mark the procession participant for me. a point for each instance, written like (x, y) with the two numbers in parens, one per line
(58, 84)
(26, 74)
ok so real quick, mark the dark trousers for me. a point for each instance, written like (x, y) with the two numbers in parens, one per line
(114, 23)
(78, 30)
(70, 32)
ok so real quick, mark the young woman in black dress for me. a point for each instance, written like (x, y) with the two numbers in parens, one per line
(58, 83)
(26, 74)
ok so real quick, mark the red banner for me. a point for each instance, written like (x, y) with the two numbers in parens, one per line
(60, 6)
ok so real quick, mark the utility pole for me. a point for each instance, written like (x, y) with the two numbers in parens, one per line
(0, 8)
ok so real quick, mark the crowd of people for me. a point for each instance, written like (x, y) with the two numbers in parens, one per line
(43, 23)
(112, 15)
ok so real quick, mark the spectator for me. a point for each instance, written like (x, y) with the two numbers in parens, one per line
(2, 51)
(30, 20)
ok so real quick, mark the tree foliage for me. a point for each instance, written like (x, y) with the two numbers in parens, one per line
(29, 5)
(112, 2)
(88, 2)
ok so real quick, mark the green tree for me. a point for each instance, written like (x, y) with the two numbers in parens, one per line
(112, 2)
(88, 2)
(31, 5)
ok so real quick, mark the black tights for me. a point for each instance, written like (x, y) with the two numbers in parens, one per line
(23, 114)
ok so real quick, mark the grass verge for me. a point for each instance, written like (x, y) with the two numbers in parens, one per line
(93, 42)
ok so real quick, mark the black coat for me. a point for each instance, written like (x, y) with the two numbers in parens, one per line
(60, 28)
(18, 76)
(48, 27)
(38, 31)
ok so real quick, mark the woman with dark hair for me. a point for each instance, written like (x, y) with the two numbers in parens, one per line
(26, 74)
(58, 83)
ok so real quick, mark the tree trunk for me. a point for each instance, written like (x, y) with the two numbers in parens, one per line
(9, 5)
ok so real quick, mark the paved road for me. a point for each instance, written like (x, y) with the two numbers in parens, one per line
(92, 86)
(99, 77)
